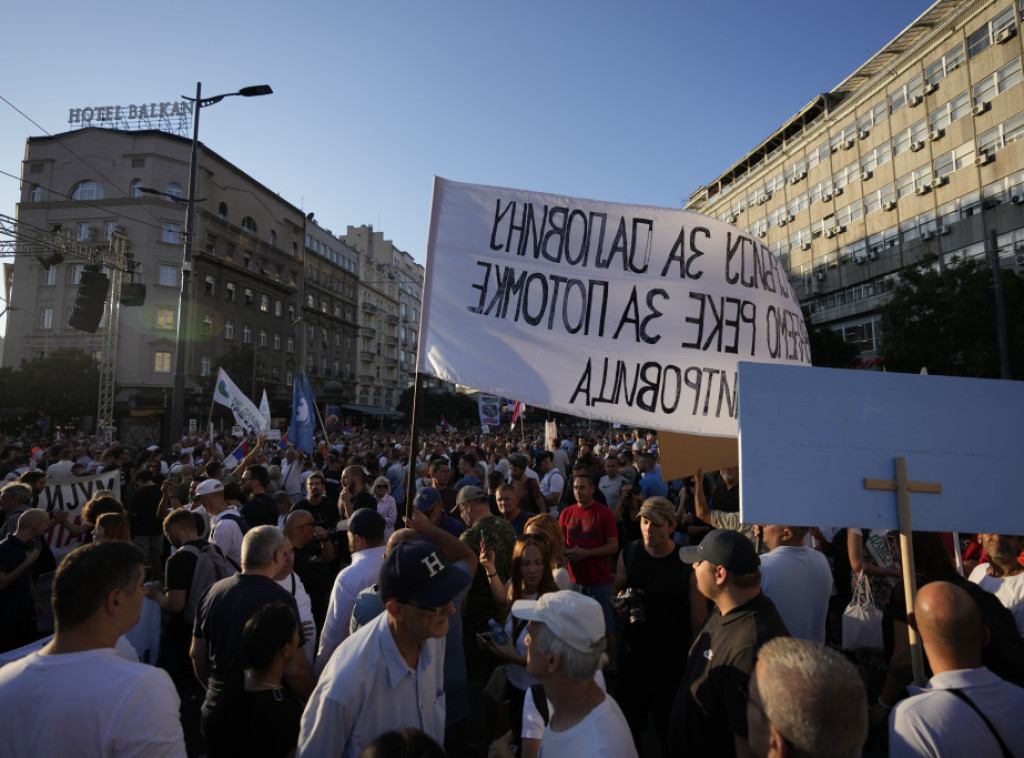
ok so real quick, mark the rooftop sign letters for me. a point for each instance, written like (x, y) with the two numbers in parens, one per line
(169, 116)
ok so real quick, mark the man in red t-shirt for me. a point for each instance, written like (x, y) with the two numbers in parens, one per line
(591, 541)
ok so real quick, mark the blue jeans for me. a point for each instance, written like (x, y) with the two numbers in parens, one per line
(602, 594)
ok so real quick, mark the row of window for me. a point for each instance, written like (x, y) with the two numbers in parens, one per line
(920, 181)
(912, 138)
(997, 29)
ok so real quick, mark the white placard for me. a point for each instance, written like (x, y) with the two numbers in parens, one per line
(810, 436)
(620, 312)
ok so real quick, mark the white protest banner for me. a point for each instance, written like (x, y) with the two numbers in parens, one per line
(490, 409)
(602, 310)
(809, 437)
(245, 412)
(71, 495)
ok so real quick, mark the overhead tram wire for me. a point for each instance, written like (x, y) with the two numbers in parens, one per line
(112, 183)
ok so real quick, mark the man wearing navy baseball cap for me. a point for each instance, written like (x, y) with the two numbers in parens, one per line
(709, 715)
(389, 674)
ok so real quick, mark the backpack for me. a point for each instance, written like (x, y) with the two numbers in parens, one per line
(211, 566)
(239, 519)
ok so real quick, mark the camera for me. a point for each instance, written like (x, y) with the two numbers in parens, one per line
(634, 600)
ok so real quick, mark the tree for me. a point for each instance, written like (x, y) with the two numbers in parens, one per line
(457, 408)
(828, 349)
(944, 319)
(63, 385)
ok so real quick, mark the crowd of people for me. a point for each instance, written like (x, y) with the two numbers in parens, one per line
(479, 595)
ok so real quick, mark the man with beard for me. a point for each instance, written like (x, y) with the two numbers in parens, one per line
(652, 591)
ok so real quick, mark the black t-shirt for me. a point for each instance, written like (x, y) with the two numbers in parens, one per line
(220, 619)
(260, 510)
(266, 722)
(15, 598)
(180, 568)
(364, 499)
(664, 637)
(709, 707)
(142, 507)
(325, 513)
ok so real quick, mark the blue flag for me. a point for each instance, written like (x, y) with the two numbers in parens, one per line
(300, 431)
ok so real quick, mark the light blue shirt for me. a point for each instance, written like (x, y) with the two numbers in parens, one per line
(653, 485)
(368, 689)
(362, 573)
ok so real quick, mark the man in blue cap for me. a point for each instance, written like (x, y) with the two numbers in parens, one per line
(366, 544)
(389, 674)
(709, 715)
(429, 501)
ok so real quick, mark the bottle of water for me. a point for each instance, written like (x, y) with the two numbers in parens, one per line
(498, 633)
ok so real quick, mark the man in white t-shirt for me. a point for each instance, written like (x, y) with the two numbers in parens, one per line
(612, 481)
(798, 580)
(226, 522)
(1003, 575)
(565, 648)
(77, 696)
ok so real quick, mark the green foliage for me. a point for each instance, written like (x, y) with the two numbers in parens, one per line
(460, 410)
(63, 385)
(945, 321)
(828, 348)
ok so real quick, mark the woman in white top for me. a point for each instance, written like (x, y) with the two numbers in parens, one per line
(531, 578)
(386, 505)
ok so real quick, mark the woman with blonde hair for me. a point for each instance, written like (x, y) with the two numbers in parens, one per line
(546, 524)
(386, 505)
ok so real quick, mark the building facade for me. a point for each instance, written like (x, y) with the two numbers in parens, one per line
(918, 152)
(390, 288)
(272, 292)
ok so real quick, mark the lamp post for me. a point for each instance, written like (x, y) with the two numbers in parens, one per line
(173, 431)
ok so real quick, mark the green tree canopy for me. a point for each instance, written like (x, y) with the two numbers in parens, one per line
(63, 385)
(944, 319)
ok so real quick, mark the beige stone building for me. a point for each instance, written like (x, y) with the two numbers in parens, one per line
(272, 291)
(390, 288)
(918, 151)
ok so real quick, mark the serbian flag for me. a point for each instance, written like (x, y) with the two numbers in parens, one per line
(237, 455)
(283, 444)
(444, 424)
(515, 414)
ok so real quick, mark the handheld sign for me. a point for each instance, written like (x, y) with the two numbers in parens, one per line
(809, 437)
(624, 313)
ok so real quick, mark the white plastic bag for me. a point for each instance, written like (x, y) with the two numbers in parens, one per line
(862, 620)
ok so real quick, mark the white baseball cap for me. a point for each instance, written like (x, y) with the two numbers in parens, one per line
(574, 618)
(209, 486)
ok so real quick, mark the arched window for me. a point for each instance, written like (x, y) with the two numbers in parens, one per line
(35, 195)
(273, 238)
(136, 190)
(249, 224)
(174, 190)
(87, 191)
(222, 210)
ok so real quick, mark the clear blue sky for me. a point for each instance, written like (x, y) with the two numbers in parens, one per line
(626, 102)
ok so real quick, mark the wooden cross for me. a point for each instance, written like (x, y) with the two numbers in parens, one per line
(902, 487)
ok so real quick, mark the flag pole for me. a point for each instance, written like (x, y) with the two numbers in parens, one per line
(414, 430)
(319, 418)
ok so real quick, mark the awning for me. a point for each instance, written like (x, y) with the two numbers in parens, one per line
(372, 410)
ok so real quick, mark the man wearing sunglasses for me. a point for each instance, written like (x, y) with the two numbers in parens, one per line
(389, 674)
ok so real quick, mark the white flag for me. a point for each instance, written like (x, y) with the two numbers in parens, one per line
(265, 411)
(246, 414)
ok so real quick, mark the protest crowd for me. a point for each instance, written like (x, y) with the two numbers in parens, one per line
(558, 599)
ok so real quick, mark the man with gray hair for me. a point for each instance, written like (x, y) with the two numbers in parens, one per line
(15, 499)
(565, 646)
(221, 617)
(804, 699)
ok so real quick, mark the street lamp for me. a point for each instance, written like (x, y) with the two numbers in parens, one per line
(173, 432)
